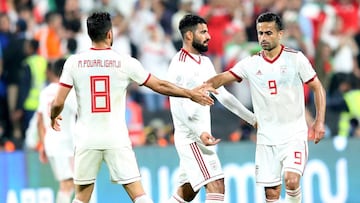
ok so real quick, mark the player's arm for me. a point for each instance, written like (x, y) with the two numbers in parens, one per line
(318, 129)
(41, 134)
(57, 106)
(234, 105)
(199, 94)
(221, 79)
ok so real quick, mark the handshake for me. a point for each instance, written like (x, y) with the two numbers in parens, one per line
(201, 94)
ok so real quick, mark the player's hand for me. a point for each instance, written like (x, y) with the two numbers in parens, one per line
(55, 123)
(201, 94)
(42, 155)
(316, 131)
(208, 139)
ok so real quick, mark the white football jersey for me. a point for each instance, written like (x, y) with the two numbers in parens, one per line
(58, 142)
(277, 94)
(100, 78)
(191, 119)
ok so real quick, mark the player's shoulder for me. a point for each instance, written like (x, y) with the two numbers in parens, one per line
(290, 50)
(255, 54)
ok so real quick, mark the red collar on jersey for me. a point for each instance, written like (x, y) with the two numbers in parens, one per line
(107, 48)
(185, 53)
(274, 59)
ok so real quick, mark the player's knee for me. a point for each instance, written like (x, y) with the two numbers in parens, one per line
(292, 181)
(272, 193)
(216, 186)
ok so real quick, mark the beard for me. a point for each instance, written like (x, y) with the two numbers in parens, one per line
(199, 47)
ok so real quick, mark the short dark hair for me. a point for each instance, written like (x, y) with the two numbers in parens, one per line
(270, 17)
(34, 44)
(98, 24)
(189, 23)
(57, 66)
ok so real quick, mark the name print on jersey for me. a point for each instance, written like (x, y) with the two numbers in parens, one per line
(99, 63)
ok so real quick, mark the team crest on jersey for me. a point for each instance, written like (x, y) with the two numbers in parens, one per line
(283, 69)
(259, 72)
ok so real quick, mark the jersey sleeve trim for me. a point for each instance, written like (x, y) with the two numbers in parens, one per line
(65, 85)
(313, 78)
(238, 78)
(148, 77)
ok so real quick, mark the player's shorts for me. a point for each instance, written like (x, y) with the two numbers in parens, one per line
(272, 160)
(121, 163)
(62, 167)
(199, 165)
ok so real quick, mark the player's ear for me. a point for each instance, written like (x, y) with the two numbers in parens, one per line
(189, 35)
(109, 34)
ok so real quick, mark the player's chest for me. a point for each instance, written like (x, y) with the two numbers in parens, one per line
(193, 76)
(271, 75)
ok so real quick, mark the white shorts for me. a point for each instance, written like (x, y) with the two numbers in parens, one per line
(199, 165)
(121, 163)
(62, 167)
(272, 160)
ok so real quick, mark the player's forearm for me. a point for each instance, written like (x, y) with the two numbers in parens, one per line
(41, 128)
(220, 79)
(55, 110)
(320, 103)
(236, 107)
(170, 89)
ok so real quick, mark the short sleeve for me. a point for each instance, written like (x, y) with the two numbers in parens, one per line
(136, 71)
(306, 70)
(66, 76)
(239, 70)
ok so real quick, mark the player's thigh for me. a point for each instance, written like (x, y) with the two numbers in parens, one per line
(87, 163)
(200, 164)
(122, 165)
(268, 165)
(296, 156)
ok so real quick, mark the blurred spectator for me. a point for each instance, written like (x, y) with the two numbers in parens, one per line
(135, 123)
(5, 31)
(121, 41)
(244, 132)
(13, 69)
(155, 55)
(323, 63)
(104, 6)
(71, 47)
(237, 48)
(345, 49)
(163, 16)
(304, 22)
(25, 13)
(6, 145)
(322, 16)
(218, 17)
(141, 18)
(348, 12)
(32, 81)
(50, 37)
(184, 7)
(159, 133)
(346, 101)
(294, 37)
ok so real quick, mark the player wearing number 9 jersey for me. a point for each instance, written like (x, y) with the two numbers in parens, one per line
(276, 76)
(100, 77)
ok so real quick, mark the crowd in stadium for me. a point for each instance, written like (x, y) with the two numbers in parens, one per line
(326, 31)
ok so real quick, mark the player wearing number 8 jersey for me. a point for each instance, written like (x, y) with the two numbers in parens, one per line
(276, 76)
(100, 77)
